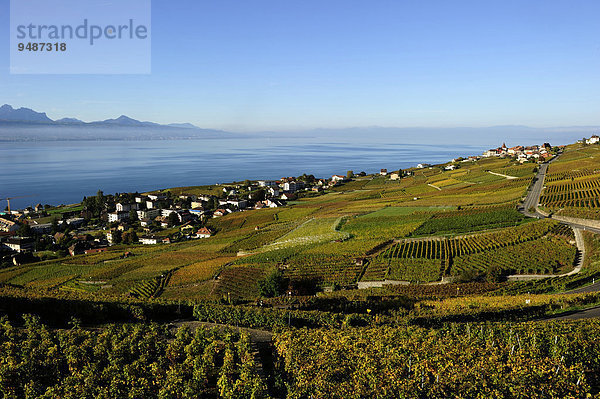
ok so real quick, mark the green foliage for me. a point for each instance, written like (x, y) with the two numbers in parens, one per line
(120, 361)
(273, 284)
(544, 256)
(270, 318)
(469, 220)
(520, 360)
(496, 248)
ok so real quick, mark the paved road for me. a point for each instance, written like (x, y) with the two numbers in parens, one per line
(581, 314)
(595, 287)
(533, 195)
(532, 201)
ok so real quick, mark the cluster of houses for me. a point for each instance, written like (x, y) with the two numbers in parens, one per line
(592, 140)
(522, 153)
(163, 210)
(151, 212)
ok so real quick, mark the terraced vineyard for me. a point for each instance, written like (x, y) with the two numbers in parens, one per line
(239, 282)
(582, 193)
(520, 360)
(543, 256)
(525, 247)
(261, 269)
(342, 236)
(323, 269)
(469, 220)
(573, 183)
(150, 288)
(443, 248)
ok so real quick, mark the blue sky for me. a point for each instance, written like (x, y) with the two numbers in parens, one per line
(290, 65)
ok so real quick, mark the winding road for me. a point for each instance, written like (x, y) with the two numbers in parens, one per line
(530, 208)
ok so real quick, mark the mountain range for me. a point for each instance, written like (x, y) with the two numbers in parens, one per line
(24, 124)
(8, 114)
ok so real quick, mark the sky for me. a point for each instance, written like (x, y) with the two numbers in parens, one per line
(292, 65)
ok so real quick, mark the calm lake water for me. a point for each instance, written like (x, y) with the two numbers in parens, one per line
(62, 172)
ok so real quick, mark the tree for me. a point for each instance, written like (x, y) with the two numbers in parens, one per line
(24, 230)
(129, 237)
(350, 174)
(133, 216)
(258, 195)
(213, 203)
(173, 219)
(99, 201)
(272, 285)
(495, 274)
(117, 236)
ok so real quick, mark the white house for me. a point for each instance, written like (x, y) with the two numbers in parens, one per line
(203, 233)
(154, 204)
(166, 212)
(238, 203)
(593, 140)
(267, 183)
(20, 244)
(290, 186)
(121, 207)
(148, 240)
(148, 214)
(193, 197)
(42, 228)
(157, 197)
(272, 204)
(338, 178)
(117, 216)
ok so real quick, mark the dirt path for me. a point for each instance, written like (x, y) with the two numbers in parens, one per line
(500, 174)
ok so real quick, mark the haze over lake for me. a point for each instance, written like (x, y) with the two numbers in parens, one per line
(58, 171)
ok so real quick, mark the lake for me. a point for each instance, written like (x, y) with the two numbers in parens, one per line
(62, 172)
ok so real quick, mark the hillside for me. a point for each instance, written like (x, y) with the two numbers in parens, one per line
(437, 284)
(431, 226)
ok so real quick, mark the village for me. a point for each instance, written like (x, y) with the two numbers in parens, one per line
(98, 222)
(524, 154)
(161, 217)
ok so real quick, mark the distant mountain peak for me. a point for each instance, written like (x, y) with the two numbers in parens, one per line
(124, 120)
(70, 121)
(183, 125)
(8, 113)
